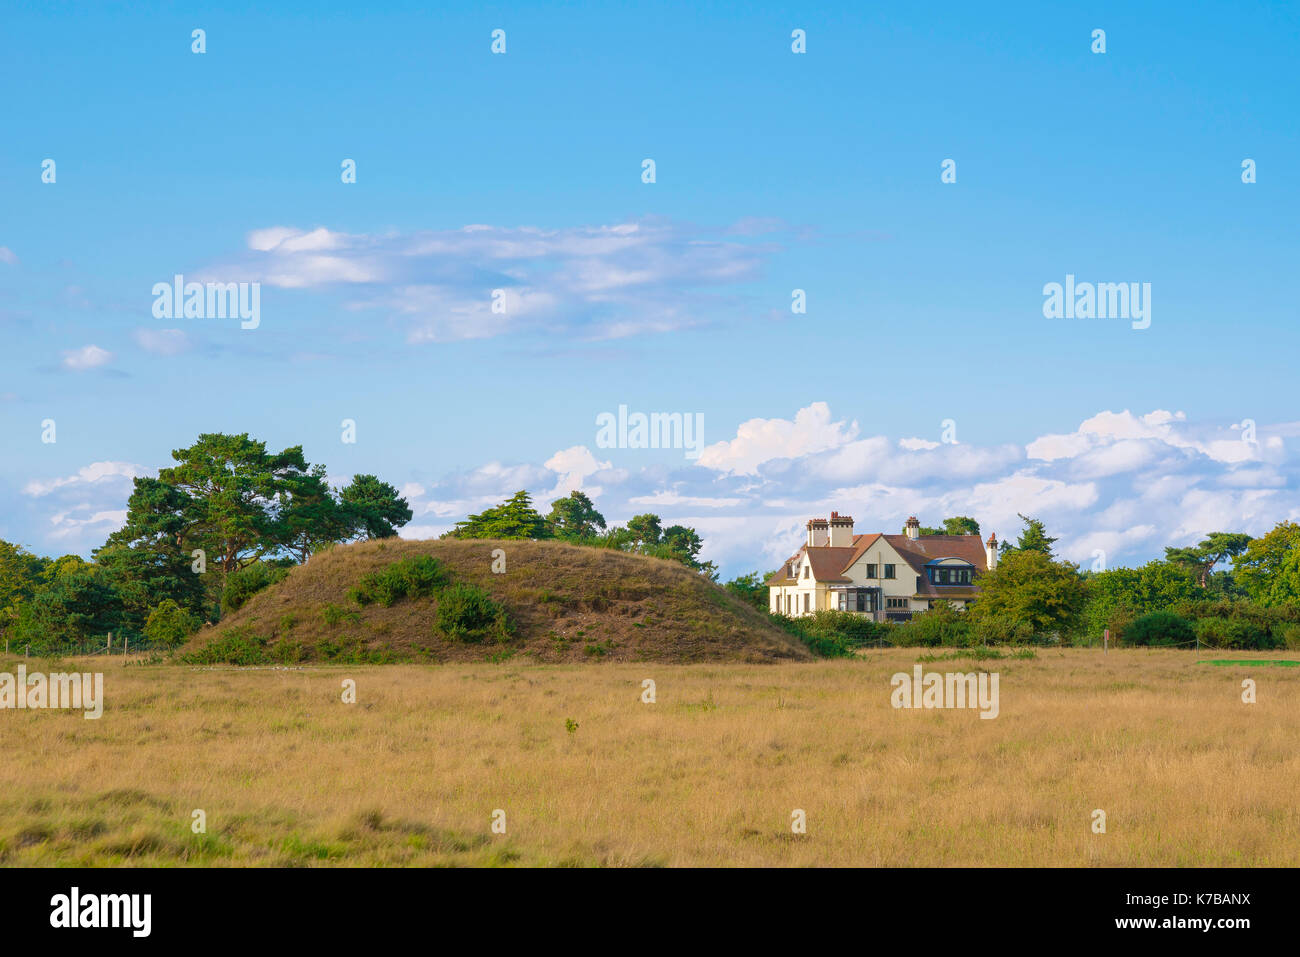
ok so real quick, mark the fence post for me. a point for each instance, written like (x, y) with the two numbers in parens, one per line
(1105, 642)
(126, 643)
(108, 650)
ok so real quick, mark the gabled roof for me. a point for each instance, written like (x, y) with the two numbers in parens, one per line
(829, 564)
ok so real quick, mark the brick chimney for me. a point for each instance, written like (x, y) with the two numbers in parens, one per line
(817, 534)
(841, 530)
(991, 552)
(913, 527)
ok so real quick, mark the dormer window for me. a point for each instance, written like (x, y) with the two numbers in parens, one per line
(949, 574)
(805, 571)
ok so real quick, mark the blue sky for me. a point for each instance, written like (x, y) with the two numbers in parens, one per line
(774, 171)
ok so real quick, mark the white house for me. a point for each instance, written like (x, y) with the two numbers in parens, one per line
(888, 577)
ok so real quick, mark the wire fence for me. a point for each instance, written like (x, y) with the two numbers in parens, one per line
(88, 648)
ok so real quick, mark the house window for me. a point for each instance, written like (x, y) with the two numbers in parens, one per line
(805, 571)
(950, 576)
(857, 599)
(805, 601)
(871, 571)
(895, 602)
(889, 571)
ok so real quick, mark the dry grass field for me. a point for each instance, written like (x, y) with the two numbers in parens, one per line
(287, 774)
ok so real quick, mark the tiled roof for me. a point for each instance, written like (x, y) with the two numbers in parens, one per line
(927, 548)
(829, 564)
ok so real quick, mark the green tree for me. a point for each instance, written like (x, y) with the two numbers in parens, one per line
(957, 525)
(372, 508)
(1034, 538)
(144, 575)
(1028, 587)
(750, 589)
(1119, 595)
(21, 575)
(644, 529)
(63, 565)
(575, 517)
(232, 491)
(168, 624)
(1215, 548)
(1160, 628)
(516, 519)
(961, 525)
(146, 560)
(684, 544)
(79, 606)
(310, 516)
(1269, 567)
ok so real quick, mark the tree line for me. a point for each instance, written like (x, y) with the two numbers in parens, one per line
(575, 519)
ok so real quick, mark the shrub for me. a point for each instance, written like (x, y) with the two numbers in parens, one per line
(1238, 633)
(1002, 630)
(1159, 628)
(169, 624)
(244, 584)
(468, 613)
(941, 625)
(408, 578)
(834, 634)
(238, 646)
(333, 614)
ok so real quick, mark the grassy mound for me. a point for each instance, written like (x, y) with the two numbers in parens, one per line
(439, 600)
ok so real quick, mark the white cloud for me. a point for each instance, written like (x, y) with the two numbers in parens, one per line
(92, 474)
(100, 523)
(574, 466)
(665, 498)
(762, 440)
(87, 357)
(7, 256)
(1108, 430)
(915, 444)
(594, 282)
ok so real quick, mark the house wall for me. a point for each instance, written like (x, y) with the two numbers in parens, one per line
(816, 598)
(808, 592)
(902, 586)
